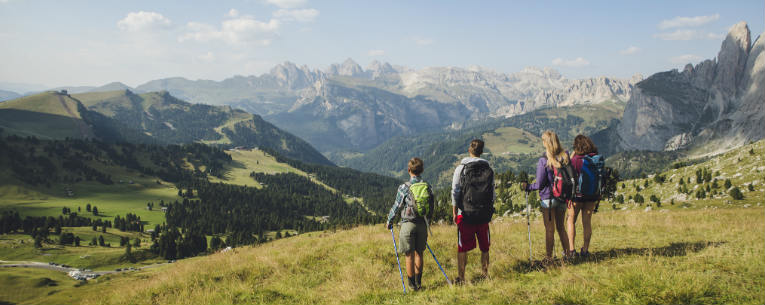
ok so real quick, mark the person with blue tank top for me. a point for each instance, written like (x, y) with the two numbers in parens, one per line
(584, 151)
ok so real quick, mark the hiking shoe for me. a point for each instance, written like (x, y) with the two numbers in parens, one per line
(459, 281)
(584, 254)
(418, 281)
(413, 284)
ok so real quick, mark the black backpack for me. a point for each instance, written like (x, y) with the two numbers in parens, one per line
(477, 189)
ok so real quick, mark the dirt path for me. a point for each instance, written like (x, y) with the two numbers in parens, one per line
(28, 264)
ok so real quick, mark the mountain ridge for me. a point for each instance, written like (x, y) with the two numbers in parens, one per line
(707, 108)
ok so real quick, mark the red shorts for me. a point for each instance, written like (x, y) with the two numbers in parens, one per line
(466, 236)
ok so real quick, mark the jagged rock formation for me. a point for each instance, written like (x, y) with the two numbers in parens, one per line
(710, 107)
(348, 107)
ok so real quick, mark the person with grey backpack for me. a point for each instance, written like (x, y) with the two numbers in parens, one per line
(472, 207)
(415, 201)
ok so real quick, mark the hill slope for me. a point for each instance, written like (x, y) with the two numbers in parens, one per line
(56, 115)
(171, 120)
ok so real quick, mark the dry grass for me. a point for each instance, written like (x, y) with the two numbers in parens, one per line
(678, 256)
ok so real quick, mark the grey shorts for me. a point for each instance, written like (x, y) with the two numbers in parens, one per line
(413, 236)
(560, 205)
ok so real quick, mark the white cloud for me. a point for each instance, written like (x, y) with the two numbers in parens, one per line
(687, 35)
(678, 35)
(233, 13)
(629, 51)
(300, 15)
(678, 22)
(684, 59)
(374, 53)
(233, 31)
(423, 41)
(574, 63)
(139, 21)
(209, 56)
(287, 3)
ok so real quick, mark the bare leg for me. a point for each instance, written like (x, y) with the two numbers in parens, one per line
(571, 213)
(561, 227)
(410, 264)
(587, 225)
(461, 262)
(485, 263)
(549, 232)
(417, 262)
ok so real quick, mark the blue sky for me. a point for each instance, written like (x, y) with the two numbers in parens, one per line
(57, 43)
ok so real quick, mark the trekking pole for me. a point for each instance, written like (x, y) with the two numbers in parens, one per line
(397, 261)
(439, 264)
(528, 221)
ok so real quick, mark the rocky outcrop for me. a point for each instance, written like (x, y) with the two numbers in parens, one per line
(713, 106)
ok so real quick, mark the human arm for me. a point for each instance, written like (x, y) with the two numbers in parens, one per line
(456, 187)
(541, 176)
(397, 205)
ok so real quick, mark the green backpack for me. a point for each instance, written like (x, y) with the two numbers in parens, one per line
(419, 196)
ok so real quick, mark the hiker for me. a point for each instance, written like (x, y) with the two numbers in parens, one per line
(472, 207)
(555, 157)
(416, 201)
(588, 194)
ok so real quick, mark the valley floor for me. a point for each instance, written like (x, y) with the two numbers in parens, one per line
(675, 255)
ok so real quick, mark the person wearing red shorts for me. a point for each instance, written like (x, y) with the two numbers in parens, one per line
(472, 207)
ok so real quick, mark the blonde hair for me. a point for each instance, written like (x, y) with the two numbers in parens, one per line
(553, 150)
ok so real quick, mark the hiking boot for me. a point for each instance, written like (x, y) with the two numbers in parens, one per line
(413, 284)
(459, 281)
(418, 281)
(584, 254)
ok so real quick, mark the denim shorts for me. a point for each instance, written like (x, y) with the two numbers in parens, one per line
(560, 205)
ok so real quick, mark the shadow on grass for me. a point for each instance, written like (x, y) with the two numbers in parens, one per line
(673, 250)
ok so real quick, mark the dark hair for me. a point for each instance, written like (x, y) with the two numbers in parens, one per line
(416, 166)
(583, 145)
(476, 147)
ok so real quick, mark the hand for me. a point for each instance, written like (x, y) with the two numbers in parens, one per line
(454, 219)
(389, 226)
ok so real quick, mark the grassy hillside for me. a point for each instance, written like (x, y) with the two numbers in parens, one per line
(47, 115)
(677, 256)
(172, 120)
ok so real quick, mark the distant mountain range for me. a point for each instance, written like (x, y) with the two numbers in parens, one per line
(347, 107)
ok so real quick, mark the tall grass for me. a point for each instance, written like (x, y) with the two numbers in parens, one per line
(683, 256)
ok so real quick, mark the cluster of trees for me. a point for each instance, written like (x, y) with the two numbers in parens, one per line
(289, 201)
(171, 242)
(377, 191)
(11, 222)
(130, 222)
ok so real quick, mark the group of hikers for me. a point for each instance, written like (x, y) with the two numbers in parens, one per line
(567, 185)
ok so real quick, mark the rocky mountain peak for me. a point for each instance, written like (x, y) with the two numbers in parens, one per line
(347, 68)
(713, 102)
(731, 61)
(293, 76)
(377, 69)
